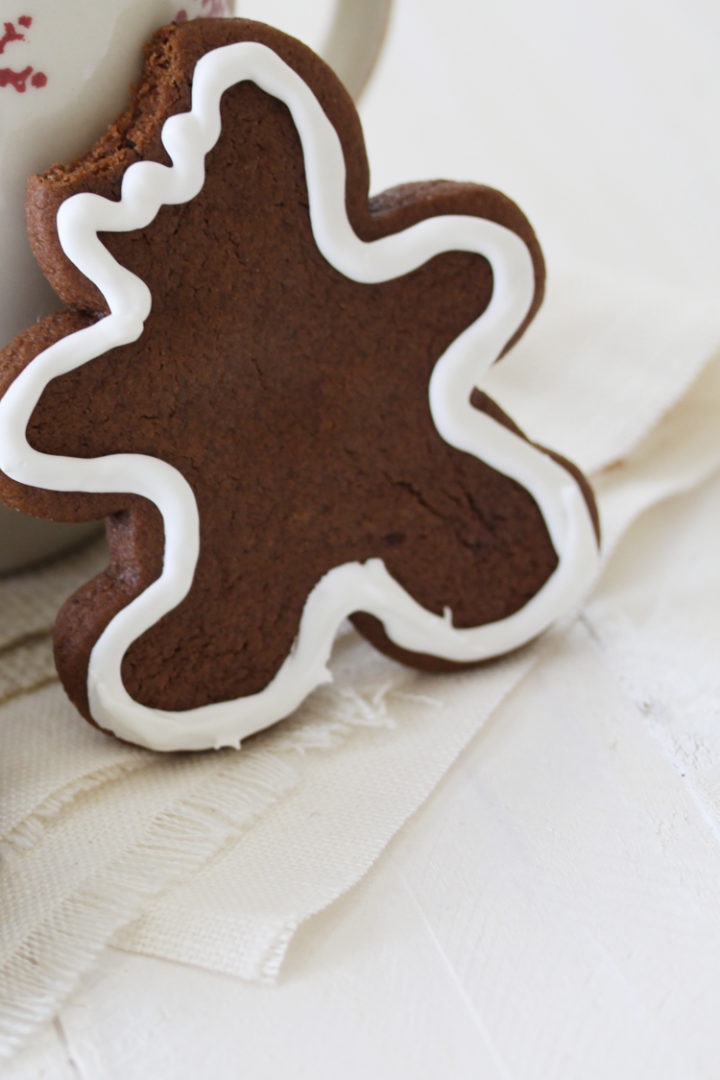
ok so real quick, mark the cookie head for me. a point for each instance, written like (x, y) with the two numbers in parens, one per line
(269, 384)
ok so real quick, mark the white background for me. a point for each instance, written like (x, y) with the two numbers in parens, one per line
(552, 911)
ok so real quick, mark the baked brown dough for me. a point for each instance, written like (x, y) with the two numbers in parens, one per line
(293, 400)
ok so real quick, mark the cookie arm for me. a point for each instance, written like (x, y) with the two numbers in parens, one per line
(405, 205)
(46, 430)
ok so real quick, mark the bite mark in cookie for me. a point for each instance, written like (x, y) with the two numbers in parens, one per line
(267, 391)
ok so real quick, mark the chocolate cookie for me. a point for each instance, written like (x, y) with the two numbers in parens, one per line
(265, 382)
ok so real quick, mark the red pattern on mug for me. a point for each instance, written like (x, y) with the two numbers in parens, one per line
(11, 77)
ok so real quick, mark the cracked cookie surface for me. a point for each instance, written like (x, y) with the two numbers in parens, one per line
(292, 399)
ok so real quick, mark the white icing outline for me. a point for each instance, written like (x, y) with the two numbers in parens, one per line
(347, 588)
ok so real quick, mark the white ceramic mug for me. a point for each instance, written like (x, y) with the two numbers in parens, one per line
(65, 71)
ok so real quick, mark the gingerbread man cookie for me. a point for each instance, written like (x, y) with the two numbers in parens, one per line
(267, 384)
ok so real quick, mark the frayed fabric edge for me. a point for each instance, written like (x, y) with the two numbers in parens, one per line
(28, 832)
(49, 964)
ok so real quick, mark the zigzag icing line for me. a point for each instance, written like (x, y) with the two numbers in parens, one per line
(352, 586)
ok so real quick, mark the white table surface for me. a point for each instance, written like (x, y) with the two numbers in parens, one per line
(552, 910)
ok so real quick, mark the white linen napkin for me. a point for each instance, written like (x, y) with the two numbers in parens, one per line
(216, 859)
